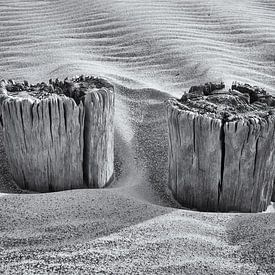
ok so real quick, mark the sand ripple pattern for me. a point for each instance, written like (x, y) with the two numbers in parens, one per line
(167, 45)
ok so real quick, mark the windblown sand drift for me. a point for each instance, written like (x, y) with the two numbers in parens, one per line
(222, 148)
(59, 136)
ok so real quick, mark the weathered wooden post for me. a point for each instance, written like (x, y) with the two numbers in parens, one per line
(59, 136)
(222, 147)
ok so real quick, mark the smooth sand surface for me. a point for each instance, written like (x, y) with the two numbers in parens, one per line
(150, 50)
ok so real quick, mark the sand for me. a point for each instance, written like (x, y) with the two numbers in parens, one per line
(150, 50)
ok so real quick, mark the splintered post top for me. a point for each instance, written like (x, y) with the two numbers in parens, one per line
(75, 88)
(242, 101)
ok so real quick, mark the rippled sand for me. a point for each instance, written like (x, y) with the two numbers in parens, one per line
(150, 50)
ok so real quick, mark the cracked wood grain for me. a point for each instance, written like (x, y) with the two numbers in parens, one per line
(221, 148)
(58, 141)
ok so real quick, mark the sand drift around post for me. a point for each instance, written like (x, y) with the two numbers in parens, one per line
(222, 148)
(60, 135)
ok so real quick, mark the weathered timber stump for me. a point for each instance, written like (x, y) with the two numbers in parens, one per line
(222, 147)
(60, 135)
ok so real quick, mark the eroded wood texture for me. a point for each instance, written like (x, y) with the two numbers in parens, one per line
(194, 159)
(248, 165)
(218, 164)
(55, 144)
(43, 141)
(99, 138)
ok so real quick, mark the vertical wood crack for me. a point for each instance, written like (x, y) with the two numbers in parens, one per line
(222, 144)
